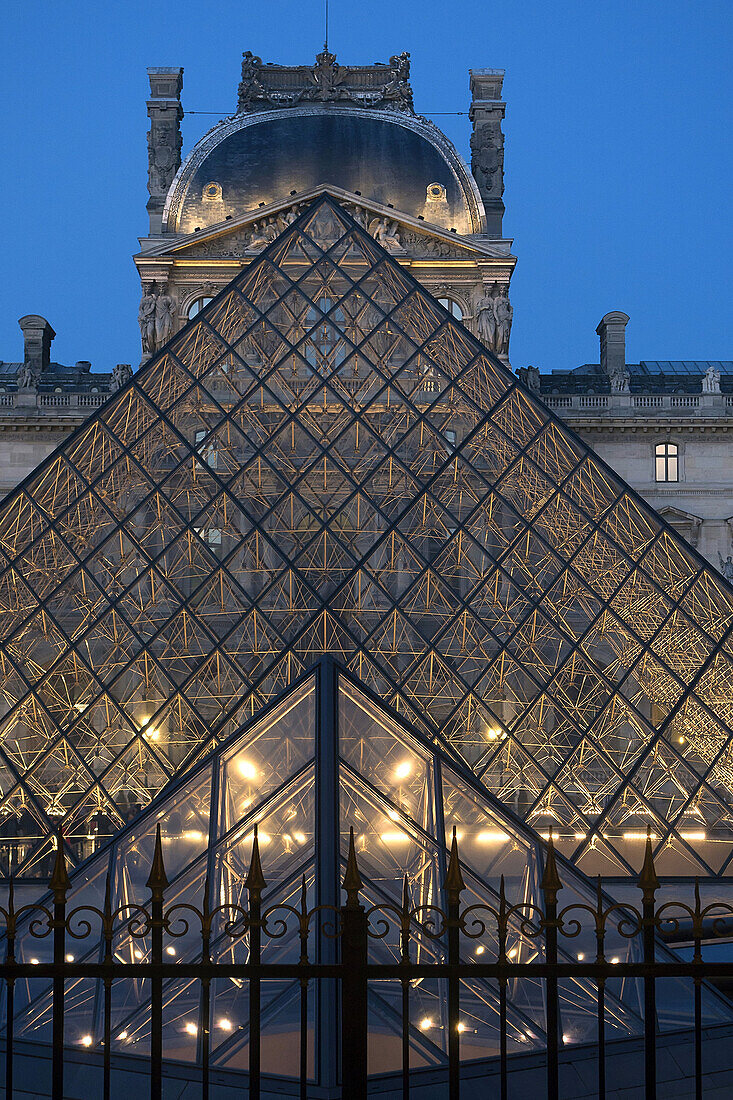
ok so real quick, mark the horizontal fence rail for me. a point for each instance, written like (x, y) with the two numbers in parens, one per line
(453, 929)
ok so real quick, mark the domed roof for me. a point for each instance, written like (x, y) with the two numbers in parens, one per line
(261, 158)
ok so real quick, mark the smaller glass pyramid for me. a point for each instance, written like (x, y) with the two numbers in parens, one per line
(325, 757)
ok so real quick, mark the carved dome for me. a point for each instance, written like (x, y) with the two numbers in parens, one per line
(388, 157)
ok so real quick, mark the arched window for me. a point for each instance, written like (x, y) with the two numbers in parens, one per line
(666, 462)
(197, 306)
(452, 308)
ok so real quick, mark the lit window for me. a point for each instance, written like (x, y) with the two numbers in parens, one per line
(197, 306)
(666, 457)
(452, 307)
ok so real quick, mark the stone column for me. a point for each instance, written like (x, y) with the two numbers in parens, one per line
(164, 139)
(487, 143)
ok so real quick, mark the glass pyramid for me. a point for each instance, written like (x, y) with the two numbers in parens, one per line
(326, 756)
(325, 462)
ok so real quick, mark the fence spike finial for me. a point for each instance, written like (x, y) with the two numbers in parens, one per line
(352, 883)
(648, 881)
(551, 883)
(255, 880)
(157, 879)
(59, 882)
(454, 883)
(405, 894)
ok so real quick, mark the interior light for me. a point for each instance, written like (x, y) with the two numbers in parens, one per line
(152, 735)
(403, 770)
(395, 838)
(191, 1029)
(513, 953)
(566, 1038)
(492, 836)
(122, 1036)
(480, 950)
(224, 1024)
(493, 733)
(193, 834)
(247, 769)
(425, 1023)
(137, 953)
(615, 960)
(693, 834)
(681, 740)
(86, 1040)
(580, 836)
(69, 958)
(460, 1027)
(581, 956)
(299, 838)
(170, 950)
(639, 836)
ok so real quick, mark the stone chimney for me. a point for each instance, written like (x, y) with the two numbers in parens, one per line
(37, 335)
(164, 139)
(611, 330)
(487, 143)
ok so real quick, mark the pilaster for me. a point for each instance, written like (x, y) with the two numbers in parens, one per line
(164, 139)
(487, 143)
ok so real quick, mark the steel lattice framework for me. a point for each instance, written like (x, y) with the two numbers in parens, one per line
(325, 462)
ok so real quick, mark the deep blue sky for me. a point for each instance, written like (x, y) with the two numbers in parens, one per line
(618, 157)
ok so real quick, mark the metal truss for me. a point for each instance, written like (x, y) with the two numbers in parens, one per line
(324, 461)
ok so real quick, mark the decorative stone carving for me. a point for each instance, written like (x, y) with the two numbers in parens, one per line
(378, 85)
(146, 318)
(530, 377)
(164, 312)
(386, 232)
(620, 380)
(486, 320)
(487, 159)
(121, 375)
(504, 314)
(711, 380)
(419, 245)
(251, 238)
(27, 377)
(726, 567)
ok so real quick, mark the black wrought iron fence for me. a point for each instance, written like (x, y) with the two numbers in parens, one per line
(348, 930)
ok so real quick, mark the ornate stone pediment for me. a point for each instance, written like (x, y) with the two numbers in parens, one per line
(402, 235)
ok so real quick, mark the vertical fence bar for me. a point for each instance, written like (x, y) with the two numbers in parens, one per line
(255, 884)
(502, 960)
(550, 886)
(405, 983)
(9, 1018)
(649, 884)
(205, 992)
(453, 887)
(354, 1010)
(157, 882)
(600, 961)
(697, 958)
(59, 884)
(303, 961)
(108, 962)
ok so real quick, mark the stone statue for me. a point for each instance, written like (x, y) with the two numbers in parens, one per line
(326, 75)
(486, 320)
(620, 380)
(533, 380)
(146, 318)
(165, 307)
(258, 239)
(386, 232)
(726, 567)
(503, 312)
(711, 380)
(121, 374)
(397, 90)
(27, 378)
(250, 87)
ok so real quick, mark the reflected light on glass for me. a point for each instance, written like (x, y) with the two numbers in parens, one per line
(403, 770)
(299, 838)
(224, 1024)
(246, 769)
(191, 1029)
(170, 950)
(395, 838)
(86, 1040)
(122, 1036)
(492, 836)
(69, 958)
(426, 1023)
